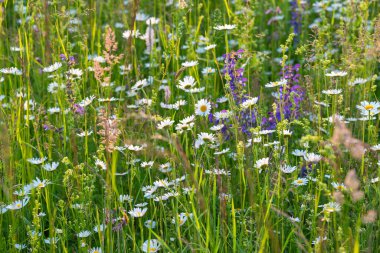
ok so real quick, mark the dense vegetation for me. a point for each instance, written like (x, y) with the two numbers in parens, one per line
(189, 126)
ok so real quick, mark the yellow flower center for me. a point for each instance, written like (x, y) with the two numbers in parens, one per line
(18, 205)
(299, 181)
(152, 249)
(203, 108)
(369, 107)
(40, 185)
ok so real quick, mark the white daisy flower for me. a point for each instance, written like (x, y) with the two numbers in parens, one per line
(300, 181)
(87, 101)
(84, 234)
(151, 246)
(37, 160)
(332, 92)
(262, 162)
(187, 83)
(224, 27)
(188, 64)
(208, 70)
(150, 224)
(52, 68)
(165, 123)
(50, 166)
(202, 107)
(18, 204)
(288, 169)
(338, 186)
(209, 47)
(312, 157)
(248, 103)
(331, 207)
(336, 73)
(138, 212)
(11, 70)
(282, 82)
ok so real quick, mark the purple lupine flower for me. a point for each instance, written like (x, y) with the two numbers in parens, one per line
(289, 98)
(78, 109)
(296, 19)
(236, 82)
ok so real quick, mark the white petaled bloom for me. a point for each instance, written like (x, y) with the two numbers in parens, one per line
(208, 70)
(188, 64)
(282, 82)
(336, 73)
(11, 70)
(162, 183)
(138, 212)
(99, 163)
(368, 108)
(181, 218)
(318, 240)
(140, 84)
(53, 110)
(358, 81)
(312, 158)
(202, 107)
(217, 127)
(50, 166)
(222, 100)
(224, 114)
(187, 83)
(87, 101)
(20, 246)
(3, 209)
(204, 138)
(338, 186)
(76, 73)
(84, 234)
(181, 127)
(152, 21)
(165, 123)
(376, 147)
(321, 103)
(248, 103)
(52, 68)
(150, 224)
(18, 204)
(96, 250)
(99, 59)
(331, 207)
(134, 148)
(332, 92)
(209, 47)
(131, 33)
(126, 197)
(37, 160)
(99, 228)
(224, 27)
(266, 132)
(51, 240)
(85, 133)
(224, 151)
(147, 164)
(295, 219)
(262, 162)
(287, 132)
(38, 183)
(165, 168)
(288, 168)
(151, 246)
(300, 181)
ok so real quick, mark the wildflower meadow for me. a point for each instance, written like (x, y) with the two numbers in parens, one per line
(189, 126)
